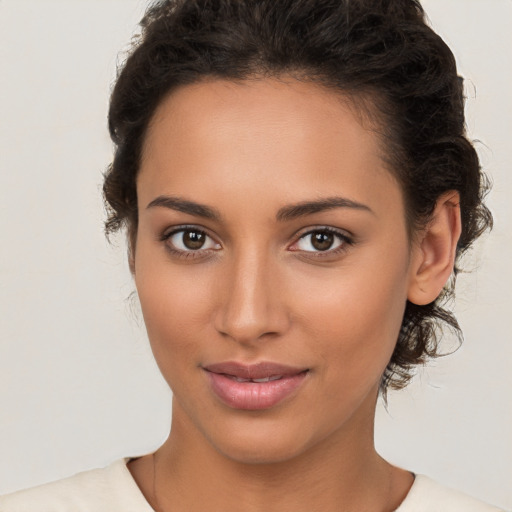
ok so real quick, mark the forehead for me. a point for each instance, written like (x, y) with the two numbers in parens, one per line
(292, 138)
(260, 105)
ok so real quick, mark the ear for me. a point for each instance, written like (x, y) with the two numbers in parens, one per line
(434, 251)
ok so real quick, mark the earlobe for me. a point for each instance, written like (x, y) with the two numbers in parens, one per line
(434, 253)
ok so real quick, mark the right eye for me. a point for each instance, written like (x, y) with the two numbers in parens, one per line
(187, 240)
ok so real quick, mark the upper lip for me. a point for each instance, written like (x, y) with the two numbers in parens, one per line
(260, 370)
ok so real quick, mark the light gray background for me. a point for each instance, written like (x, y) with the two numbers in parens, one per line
(78, 386)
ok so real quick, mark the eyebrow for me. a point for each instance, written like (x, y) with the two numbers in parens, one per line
(182, 205)
(285, 213)
(309, 207)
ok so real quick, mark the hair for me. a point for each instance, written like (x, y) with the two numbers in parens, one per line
(380, 53)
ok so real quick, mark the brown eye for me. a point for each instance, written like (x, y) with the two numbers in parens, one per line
(188, 240)
(193, 240)
(321, 240)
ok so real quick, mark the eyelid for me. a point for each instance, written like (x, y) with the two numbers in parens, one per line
(346, 237)
(347, 240)
(323, 227)
(171, 231)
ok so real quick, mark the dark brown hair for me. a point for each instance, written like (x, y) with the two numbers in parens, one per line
(381, 52)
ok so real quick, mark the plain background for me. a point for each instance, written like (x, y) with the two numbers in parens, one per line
(78, 385)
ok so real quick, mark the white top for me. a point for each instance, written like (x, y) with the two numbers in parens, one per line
(113, 489)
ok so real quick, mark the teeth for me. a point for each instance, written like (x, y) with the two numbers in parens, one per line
(264, 379)
(268, 379)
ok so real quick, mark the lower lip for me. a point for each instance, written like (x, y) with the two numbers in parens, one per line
(254, 396)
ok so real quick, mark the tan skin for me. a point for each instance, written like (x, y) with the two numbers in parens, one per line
(260, 288)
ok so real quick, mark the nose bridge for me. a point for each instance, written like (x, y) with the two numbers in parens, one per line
(251, 305)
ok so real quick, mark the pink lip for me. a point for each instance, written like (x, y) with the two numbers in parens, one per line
(282, 382)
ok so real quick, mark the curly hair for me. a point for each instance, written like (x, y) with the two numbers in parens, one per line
(380, 53)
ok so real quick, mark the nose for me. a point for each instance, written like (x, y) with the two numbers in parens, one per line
(252, 304)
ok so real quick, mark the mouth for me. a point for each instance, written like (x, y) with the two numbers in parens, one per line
(254, 387)
(263, 379)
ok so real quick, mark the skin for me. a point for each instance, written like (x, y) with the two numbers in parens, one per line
(258, 290)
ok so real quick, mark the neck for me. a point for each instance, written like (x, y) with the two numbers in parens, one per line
(343, 473)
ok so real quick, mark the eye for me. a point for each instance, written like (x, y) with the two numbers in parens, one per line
(321, 240)
(190, 240)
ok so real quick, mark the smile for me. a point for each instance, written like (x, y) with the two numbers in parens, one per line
(253, 387)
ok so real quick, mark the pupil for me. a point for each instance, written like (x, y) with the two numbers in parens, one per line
(322, 241)
(193, 239)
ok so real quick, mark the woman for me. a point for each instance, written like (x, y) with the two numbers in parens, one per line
(297, 188)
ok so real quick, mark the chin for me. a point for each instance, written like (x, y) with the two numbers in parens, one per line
(260, 451)
(261, 441)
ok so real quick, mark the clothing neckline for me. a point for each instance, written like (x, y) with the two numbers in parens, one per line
(419, 480)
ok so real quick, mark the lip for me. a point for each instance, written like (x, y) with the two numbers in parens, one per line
(234, 383)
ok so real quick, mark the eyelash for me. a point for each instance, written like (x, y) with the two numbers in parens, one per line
(166, 236)
(345, 242)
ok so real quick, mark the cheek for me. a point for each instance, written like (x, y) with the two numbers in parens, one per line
(176, 308)
(355, 319)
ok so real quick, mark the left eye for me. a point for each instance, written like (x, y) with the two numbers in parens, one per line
(320, 241)
(187, 240)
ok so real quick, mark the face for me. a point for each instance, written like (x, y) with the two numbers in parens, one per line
(272, 264)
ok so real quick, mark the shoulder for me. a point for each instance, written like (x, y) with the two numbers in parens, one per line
(426, 495)
(110, 489)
